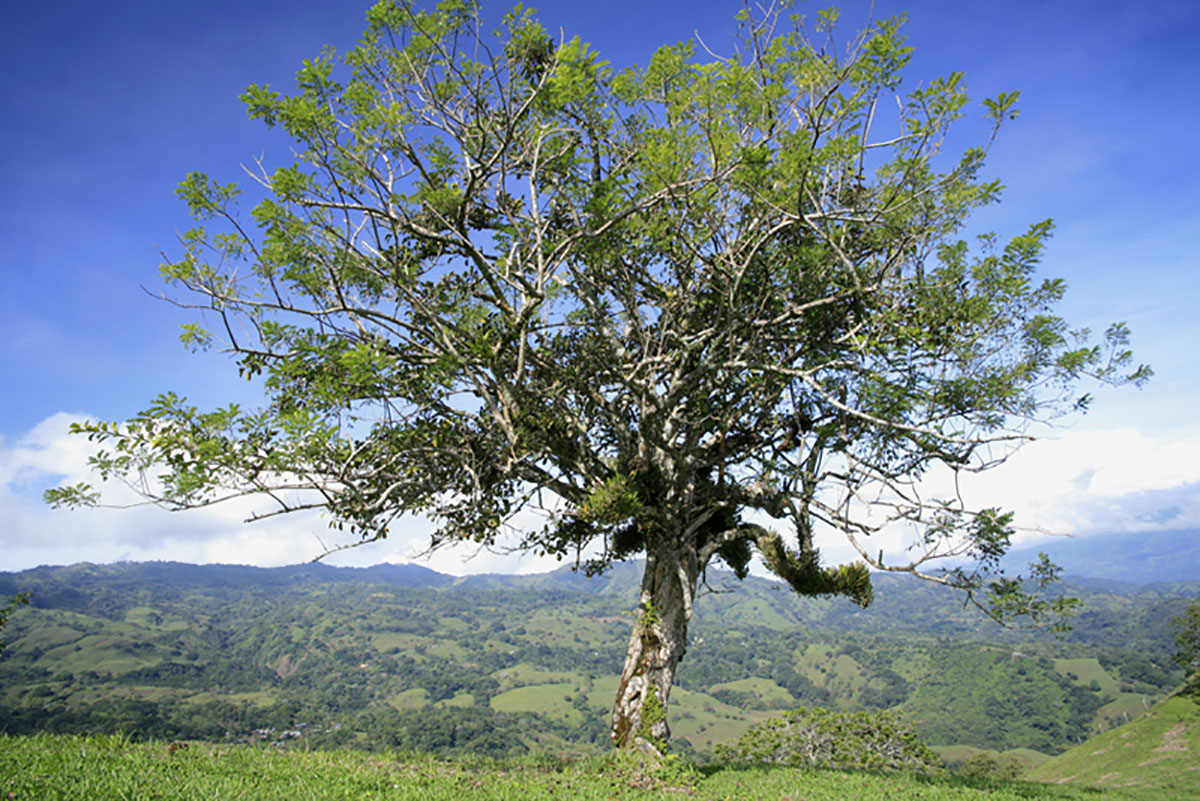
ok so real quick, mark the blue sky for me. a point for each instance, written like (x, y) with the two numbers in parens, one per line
(110, 104)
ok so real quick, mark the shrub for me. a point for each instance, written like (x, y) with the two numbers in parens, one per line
(982, 765)
(823, 738)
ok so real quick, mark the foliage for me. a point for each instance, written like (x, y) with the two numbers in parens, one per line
(1013, 699)
(653, 711)
(821, 738)
(472, 731)
(1187, 641)
(20, 599)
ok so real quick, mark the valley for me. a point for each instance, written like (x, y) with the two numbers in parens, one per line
(402, 657)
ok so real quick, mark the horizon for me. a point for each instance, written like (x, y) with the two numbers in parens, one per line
(1119, 568)
(121, 103)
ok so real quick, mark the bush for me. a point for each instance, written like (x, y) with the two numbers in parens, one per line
(822, 738)
(982, 765)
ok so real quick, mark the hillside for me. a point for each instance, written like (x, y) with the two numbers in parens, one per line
(1115, 613)
(397, 656)
(1158, 751)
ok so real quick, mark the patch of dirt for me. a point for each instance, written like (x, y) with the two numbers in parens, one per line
(287, 667)
(1172, 739)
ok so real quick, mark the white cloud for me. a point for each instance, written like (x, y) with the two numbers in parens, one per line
(1072, 483)
(1080, 482)
(1099, 481)
(35, 534)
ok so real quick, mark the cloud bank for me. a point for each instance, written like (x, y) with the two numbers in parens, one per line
(36, 535)
(1081, 482)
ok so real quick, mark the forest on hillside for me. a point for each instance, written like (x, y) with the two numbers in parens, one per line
(504, 665)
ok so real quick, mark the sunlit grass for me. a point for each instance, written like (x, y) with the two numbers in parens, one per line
(111, 767)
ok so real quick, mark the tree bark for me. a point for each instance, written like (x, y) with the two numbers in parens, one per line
(657, 643)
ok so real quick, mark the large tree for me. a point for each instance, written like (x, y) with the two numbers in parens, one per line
(677, 310)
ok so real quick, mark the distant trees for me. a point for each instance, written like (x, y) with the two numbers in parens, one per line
(955, 690)
(471, 730)
(5, 611)
(1187, 641)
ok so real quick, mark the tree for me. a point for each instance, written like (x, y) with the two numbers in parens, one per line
(1187, 640)
(823, 738)
(671, 309)
(20, 599)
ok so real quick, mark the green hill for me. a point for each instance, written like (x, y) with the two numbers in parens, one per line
(403, 657)
(1158, 751)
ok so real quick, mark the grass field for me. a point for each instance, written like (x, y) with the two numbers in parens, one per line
(551, 700)
(1085, 671)
(410, 699)
(765, 689)
(1157, 752)
(1123, 709)
(58, 768)
(839, 673)
(960, 753)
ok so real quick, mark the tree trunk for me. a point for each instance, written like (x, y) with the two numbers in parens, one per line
(656, 645)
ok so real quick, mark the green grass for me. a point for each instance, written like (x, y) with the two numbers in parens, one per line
(58, 768)
(115, 651)
(1087, 671)
(526, 674)
(839, 673)
(547, 699)
(448, 650)
(913, 666)
(1124, 708)
(704, 721)
(961, 753)
(52, 636)
(389, 640)
(259, 698)
(604, 690)
(1159, 752)
(765, 689)
(410, 699)
(1028, 756)
(756, 612)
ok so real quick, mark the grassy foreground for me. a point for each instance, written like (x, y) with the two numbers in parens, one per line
(48, 767)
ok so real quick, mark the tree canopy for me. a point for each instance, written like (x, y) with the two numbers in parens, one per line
(674, 310)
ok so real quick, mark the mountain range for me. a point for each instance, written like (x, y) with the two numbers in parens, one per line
(1133, 558)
